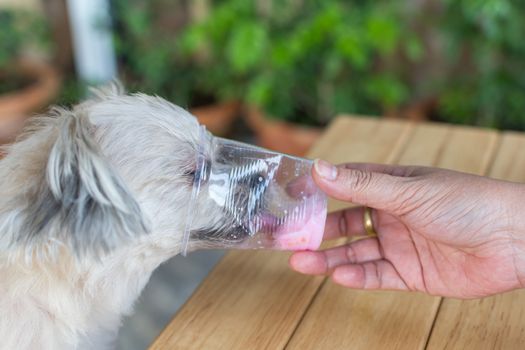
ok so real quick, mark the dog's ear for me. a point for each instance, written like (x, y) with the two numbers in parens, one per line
(83, 201)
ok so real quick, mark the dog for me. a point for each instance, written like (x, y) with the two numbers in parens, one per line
(93, 199)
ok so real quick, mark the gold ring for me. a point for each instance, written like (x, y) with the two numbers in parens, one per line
(368, 224)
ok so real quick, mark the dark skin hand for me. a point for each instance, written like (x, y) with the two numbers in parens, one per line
(440, 232)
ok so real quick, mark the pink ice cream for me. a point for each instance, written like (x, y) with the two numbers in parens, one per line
(305, 235)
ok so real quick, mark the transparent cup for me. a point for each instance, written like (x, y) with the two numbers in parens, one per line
(262, 198)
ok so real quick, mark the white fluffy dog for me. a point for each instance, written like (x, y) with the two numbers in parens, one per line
(92, 200)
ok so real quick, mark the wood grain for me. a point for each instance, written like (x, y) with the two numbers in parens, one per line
(252, 299)
(495, 322)
(340, 318)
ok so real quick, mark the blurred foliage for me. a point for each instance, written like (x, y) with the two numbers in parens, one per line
(148, 52)
(304, 61)
(308, 60)
(486, 49)
(72, 92)
(11, 37)
(19, 29)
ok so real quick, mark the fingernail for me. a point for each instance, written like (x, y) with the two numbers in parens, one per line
(326, 170)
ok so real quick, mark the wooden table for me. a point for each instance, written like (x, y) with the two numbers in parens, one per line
(252, 300)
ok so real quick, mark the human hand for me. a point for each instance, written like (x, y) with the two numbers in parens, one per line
(438, 231)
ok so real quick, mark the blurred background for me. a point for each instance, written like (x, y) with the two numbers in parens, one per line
(272, 72)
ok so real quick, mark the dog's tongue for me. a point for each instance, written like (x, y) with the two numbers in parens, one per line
(299, 233)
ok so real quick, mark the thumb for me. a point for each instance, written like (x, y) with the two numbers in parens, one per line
(359, 185)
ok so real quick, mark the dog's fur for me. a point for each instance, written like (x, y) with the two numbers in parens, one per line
(92, 200)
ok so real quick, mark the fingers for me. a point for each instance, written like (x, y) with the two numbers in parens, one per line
(359, 265)
(359, 185)
(347, 222)
(323, 262)
(394, 170)
(379, 274)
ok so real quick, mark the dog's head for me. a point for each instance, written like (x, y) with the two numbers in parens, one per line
(115, 170)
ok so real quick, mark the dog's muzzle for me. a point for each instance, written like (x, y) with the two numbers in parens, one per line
(268, 199)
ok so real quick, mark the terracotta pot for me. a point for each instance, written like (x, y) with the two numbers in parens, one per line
(17, 106)
(218, 118)
(285, 137)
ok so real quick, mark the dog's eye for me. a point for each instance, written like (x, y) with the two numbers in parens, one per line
(258, 178)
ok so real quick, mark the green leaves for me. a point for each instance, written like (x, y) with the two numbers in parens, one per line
(302, 61)
(324, 58)
(10, 38)
(487, 38)
(351, 45)
(387, 89)
(305, 60)
(19, 29)
(382, 30)
(413, 48)
(137, 20)
(193, 39)
(247, 46)
(260, 89)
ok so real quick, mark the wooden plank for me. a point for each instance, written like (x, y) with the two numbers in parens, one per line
(494, 322)
(469, 150)
(340, 318)
(490, 323)
(252, 299)
(509, 163)
(351, 139)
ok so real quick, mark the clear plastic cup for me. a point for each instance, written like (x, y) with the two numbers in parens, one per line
(261, 199)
